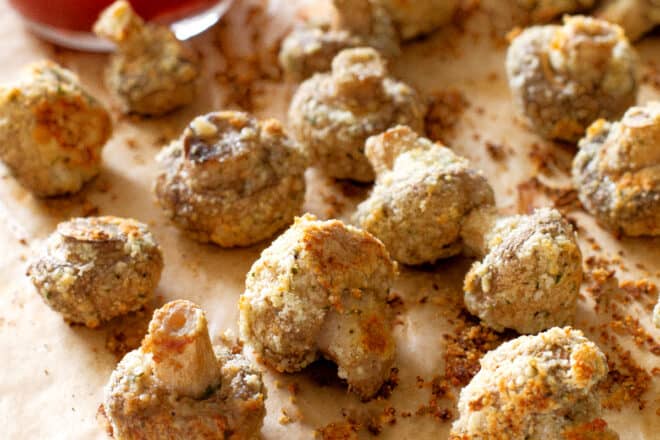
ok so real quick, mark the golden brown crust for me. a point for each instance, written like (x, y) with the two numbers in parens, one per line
(51, 130)
(152, 73)
(565, 77)
(333, 114)
(142, 400)
(539, 386)
(617, 171)
(321, 288)
(231, 179)
(96, 268)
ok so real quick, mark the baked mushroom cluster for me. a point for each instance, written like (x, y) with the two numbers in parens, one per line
(422, 194)
(321, 289)
(151, 73)
(563, 78)
(333, 114)
(96, 268)
(617, 171)
(179, 386)
(231, 179)
(542, 386)
(52, 131)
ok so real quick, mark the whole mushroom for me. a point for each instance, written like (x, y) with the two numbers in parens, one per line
(231, 179)
(179, 386)
(333, 114)
(310, 49)
(617, 171)
(423, 192)
(542, 386)
(530, 271)
(563, 78)
(321, 289)
(151, 73)
(52, 130)
(96, 268)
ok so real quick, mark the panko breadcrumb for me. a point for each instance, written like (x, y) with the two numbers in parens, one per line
(310, 49)
(321, 288)
(563, 78)
(151, 73)
(178, 386)
(51, 130)
(617, 171)
(530, 276)
(333, 114)
(536, 387)
(422, 193)
(96, 268)
(231, 179)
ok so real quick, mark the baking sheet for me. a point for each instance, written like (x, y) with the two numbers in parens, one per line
(52, 374)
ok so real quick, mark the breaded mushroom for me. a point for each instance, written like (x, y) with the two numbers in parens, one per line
(656, 314)
(617, 171)
(231, 179)
(423, 192)
(96, 268)
(536, 387)
(636, 17)
(51, 130)
(310, 49)
(333, 114)
(415, 18)
(541, 11)
(321, 289)
(178, 386)
(563, 78)
(151, 73)
(529, 277)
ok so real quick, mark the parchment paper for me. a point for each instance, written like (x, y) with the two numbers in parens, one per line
(52, 374)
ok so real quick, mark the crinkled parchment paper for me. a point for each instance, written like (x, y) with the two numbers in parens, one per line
(52, 374)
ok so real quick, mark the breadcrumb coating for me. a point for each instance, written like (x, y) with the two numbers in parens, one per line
(617, 171)
(96, 268)
(333, 114)
(151, 73)
(321, 289)
(231, 179)
(530, 276)
(310, 49)
(178, 386)
(51, 130)
(563, 78)
(536, 387)
(422, 193)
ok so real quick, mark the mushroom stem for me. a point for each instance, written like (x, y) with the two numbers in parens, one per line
(181, 348)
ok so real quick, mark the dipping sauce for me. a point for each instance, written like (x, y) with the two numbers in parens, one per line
(80, 15)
